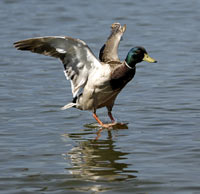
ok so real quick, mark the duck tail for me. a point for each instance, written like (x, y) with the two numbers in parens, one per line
(70, 105)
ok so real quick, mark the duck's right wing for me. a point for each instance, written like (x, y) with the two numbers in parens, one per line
(78, 59)
(109, 51)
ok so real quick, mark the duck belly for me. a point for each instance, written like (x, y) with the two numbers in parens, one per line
(97, 92)
(96, 98)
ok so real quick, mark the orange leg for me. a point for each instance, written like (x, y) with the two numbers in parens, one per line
(97, 119)
(101, 123)
(109, 125)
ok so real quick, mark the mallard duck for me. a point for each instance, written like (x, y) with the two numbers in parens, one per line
(94, 84)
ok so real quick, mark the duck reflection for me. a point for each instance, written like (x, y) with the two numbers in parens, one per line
(98, 160)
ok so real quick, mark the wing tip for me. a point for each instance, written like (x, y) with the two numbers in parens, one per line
(16, 45)
(21, 45)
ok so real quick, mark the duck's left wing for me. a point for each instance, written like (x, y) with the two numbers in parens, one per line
(76, 56)
(109, 51)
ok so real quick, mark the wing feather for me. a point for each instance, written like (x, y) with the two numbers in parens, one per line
(76, 56)
(109, 51)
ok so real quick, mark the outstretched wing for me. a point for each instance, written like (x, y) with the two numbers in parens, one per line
(76, 56)
(109, 51)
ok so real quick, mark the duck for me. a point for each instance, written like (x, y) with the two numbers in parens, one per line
(95, 83)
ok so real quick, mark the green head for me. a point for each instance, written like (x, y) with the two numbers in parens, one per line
(137, 55)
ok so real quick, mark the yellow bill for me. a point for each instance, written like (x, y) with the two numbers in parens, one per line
(147, 58)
